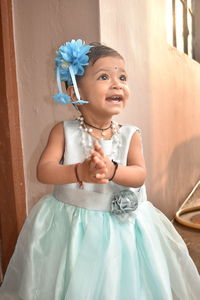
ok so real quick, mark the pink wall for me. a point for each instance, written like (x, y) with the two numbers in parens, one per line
(164, 85)
(165, 97)
(39, 28)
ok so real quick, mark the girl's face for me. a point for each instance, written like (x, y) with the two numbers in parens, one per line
(104, 84)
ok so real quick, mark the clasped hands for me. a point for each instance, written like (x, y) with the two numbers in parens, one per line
(97, 168)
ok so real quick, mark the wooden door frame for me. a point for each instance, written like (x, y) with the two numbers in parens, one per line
(12, 186)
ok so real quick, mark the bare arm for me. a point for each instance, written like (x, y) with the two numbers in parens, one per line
(50, 171)
(134, 173)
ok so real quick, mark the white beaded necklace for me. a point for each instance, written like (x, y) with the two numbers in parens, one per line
(113, 145)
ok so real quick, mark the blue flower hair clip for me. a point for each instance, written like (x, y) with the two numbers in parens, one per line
(70, 61)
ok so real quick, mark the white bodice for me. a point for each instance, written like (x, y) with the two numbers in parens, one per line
(77, 146)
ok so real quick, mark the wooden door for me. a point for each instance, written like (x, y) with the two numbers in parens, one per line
(12, 190)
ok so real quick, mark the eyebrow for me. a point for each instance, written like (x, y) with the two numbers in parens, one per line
(109, 70)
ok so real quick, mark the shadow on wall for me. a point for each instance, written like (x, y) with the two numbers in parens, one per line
(36, 188)
(175, 183)
(32, 168)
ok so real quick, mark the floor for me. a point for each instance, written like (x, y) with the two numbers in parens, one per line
(191, 236)
(192, 239)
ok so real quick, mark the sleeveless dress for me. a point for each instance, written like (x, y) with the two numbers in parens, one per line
(73, 247)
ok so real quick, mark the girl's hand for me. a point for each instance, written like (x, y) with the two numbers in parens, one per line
(87, 170)
(98, 155)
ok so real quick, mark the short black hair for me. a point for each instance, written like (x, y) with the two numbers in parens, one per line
(97, 51)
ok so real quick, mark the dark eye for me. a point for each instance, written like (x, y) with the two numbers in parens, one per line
(103, 77)
(123, 78)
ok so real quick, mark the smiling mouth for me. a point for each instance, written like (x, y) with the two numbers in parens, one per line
(115, 99)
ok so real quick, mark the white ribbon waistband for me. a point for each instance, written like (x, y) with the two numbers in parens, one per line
(83, 198)
(89, 199)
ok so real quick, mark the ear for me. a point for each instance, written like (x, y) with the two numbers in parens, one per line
(71, 93)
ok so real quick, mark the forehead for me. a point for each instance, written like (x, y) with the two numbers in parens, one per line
(108, 63)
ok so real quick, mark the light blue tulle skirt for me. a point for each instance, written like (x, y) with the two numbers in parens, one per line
(70, 253)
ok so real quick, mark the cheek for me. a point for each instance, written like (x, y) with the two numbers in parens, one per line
(82, 92)
(127, 92)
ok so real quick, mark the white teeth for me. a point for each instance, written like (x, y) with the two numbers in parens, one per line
(115, 98)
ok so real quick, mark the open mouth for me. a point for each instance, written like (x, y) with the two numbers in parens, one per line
(115, 99)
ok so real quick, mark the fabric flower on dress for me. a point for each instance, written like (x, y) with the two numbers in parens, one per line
(123, 204)
(70, 61)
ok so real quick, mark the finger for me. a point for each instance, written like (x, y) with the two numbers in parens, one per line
(97, 166)
(96, 145)
(99, 171)
(95, 153)
(101, 152)
(101, 181)
(97, 159)
(92, 165)
(100, 176)
(99, 163)
(98, 148)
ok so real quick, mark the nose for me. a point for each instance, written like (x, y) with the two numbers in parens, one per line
(116, 84)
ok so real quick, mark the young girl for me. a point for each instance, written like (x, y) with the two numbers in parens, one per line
(97, 237)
